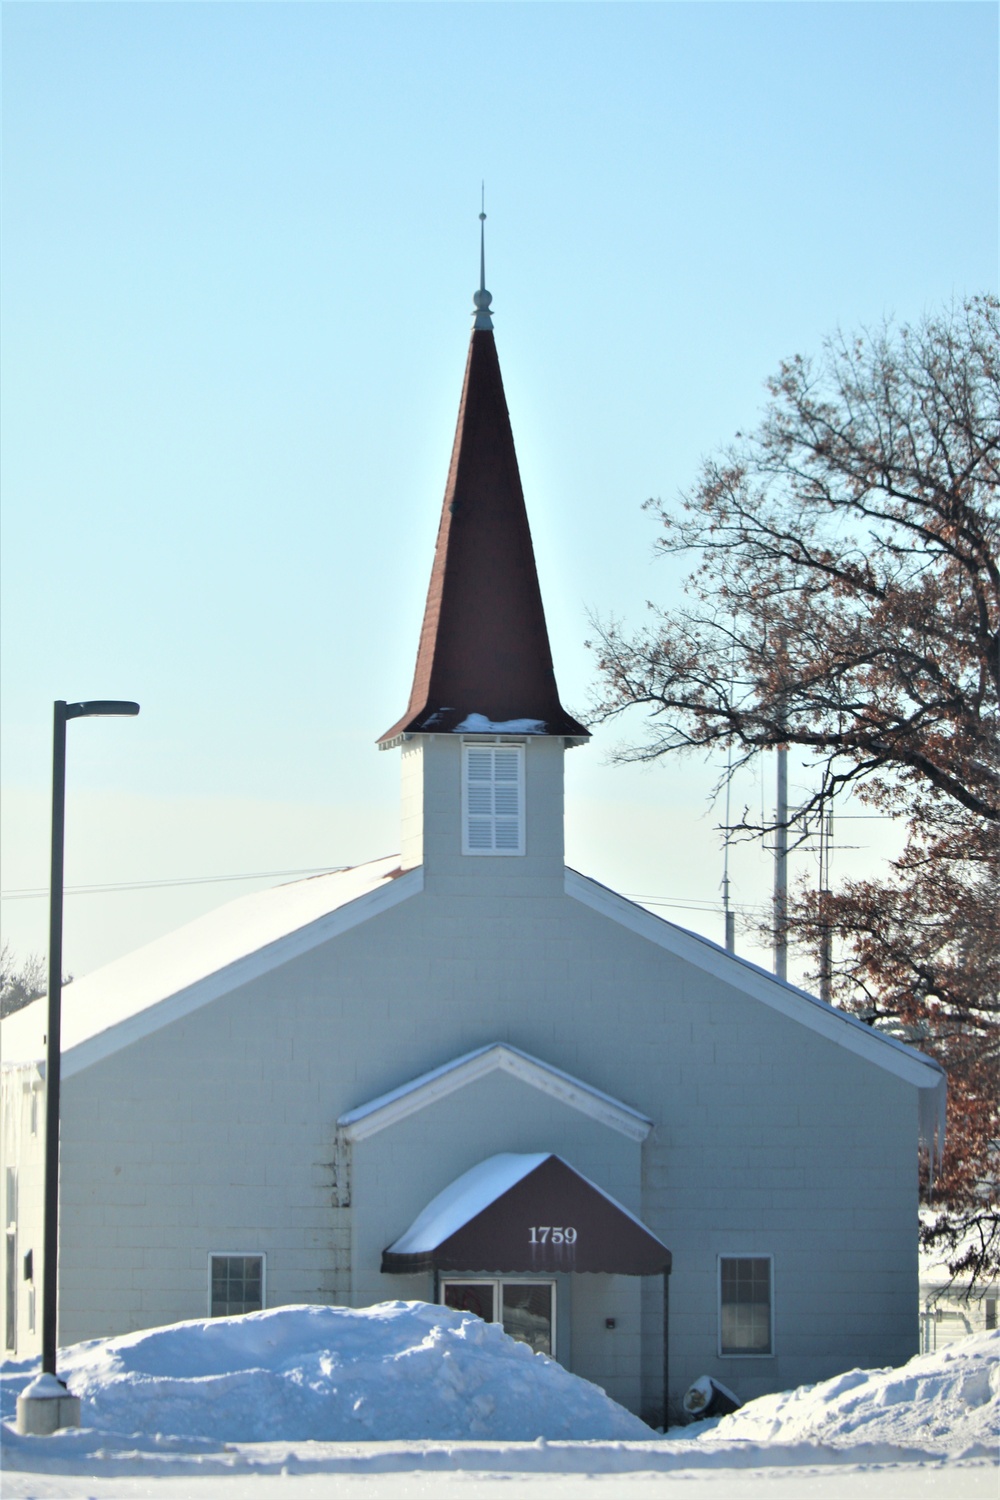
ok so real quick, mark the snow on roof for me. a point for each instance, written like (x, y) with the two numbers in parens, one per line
(480, 724)
(185, 969)
(367, 1119)
(464, 1198)
(461, 1201)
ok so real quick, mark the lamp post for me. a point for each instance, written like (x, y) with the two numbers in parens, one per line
(46, 1405)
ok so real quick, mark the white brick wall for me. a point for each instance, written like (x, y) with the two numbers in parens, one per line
(218, 1131)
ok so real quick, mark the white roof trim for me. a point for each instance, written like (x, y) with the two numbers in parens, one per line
(798, 1005)
(388, 1109)
(243, 971)
(106, 1011)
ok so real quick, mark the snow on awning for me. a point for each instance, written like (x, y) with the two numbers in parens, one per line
(533, 1213)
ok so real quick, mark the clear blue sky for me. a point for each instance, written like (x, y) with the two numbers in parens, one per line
(240, 243)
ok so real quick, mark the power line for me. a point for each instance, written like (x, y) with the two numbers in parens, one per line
(27, 893)
(690, 904)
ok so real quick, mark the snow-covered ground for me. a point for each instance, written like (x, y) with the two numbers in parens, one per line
(407, 1400)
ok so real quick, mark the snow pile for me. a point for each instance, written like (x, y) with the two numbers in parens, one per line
(946, 1400)
(400, 1370)
(406, 1388)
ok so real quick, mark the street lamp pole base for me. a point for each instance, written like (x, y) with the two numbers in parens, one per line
(45, 1406)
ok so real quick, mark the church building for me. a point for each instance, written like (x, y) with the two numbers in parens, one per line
(471, 1075)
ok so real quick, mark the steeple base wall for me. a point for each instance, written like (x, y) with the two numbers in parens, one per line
(432, 812)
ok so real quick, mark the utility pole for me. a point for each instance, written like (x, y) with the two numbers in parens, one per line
(781, 869)
(826, 937)
(730, 915)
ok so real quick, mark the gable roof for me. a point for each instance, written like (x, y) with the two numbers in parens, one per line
(484, 646)
(157, 984)
(368, 1119)
(828, 1021)
(178, 973)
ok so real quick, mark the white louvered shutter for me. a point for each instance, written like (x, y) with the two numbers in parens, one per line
(494, 799)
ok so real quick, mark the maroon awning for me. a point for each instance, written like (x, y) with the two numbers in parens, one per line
(534, 1214)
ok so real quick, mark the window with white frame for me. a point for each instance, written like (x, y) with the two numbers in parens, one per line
(492, 799)
(746, 1305)
(236, 1285)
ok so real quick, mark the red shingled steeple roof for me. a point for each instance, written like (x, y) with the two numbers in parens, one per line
(484, 647)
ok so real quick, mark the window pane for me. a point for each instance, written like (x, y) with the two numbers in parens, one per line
(470, 1296)
(527, 1313)
(745, 1311)
(237, 1284)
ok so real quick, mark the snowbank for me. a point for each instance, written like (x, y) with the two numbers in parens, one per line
(400, 1370)
(949, 1399)
(411, 1389)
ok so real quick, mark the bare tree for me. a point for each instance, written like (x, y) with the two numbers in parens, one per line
(20, 983)
(845, 599)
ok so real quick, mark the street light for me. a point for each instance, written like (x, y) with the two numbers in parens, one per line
(38, 1414)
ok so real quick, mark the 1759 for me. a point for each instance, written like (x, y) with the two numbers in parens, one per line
(551, 1234)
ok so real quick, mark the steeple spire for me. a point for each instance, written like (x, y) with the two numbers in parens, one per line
(484, 659)
(482, 299)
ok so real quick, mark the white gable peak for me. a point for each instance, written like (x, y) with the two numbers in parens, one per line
(368, 1119)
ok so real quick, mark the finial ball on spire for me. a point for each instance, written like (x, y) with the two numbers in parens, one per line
(481, 300)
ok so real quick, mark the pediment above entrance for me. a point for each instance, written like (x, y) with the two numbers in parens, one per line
(428, 1088)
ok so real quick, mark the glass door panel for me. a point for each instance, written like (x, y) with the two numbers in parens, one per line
(527, 1313)
(477, 1297)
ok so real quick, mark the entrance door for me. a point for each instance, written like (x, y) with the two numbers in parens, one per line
(527, 1309)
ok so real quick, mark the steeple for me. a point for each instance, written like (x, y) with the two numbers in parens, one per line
(484, 662)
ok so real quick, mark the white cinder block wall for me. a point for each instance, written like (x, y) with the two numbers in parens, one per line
(397, 1171)
(218, 1131)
